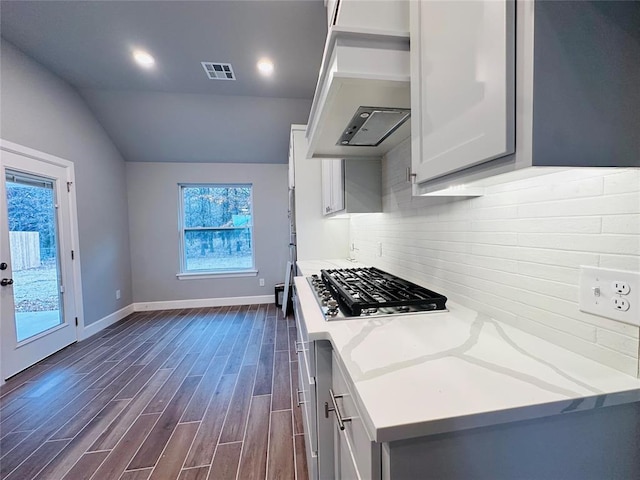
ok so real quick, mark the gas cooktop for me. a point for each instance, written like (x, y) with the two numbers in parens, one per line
(366, 292)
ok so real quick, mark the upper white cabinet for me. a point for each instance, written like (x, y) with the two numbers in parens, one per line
(576, 89)
(384, 16)
(351, 186)
(332, 185)
(462, 84)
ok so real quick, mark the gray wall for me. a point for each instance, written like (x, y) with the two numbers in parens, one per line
(41, 111)
(153, 223)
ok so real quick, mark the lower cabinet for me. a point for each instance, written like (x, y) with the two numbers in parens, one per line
(355, 455)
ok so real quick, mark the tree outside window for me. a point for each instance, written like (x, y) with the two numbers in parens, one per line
(216, 228)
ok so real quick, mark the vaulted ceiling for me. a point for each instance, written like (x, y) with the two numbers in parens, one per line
(173, 112)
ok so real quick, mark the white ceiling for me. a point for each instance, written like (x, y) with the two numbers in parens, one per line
(174, 112)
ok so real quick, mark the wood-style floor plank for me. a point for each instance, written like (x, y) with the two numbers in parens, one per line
(38, 460)
(226, 461)
(204, 444)
(281, 464)
(281, 382)
(153, 446)
(197, 473)
(76, 448)
(171, 460)
(142, 474)
(236, 420)
(86, 466)
(190, 394)
(121, 455)
(112, 434)
(301, 458)
(253, 461)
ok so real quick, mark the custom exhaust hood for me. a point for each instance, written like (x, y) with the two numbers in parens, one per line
(362, 100)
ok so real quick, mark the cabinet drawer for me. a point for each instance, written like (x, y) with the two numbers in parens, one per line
(307, 399)
(303, 346)
(365, 453)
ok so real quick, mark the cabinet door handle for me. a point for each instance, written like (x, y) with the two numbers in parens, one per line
(335, 410)
(298, 350)
(298, 401)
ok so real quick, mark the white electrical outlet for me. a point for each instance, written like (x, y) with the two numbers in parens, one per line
(620, 303)
(117, 294)
(609, 293)
(379, 249)
(261, 281)
(621, 288)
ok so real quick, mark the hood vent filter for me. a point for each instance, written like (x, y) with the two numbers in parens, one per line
(218, 71)
(371, 125)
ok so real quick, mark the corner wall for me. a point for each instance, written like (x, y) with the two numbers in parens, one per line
(41, 111)
(515, 253)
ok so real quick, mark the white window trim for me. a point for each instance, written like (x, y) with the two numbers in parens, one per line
(183, 274)
(221, 274)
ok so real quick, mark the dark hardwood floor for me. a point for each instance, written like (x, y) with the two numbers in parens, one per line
(183, 394)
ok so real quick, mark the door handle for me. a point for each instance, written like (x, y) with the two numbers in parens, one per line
(6, 281)
(3, 266)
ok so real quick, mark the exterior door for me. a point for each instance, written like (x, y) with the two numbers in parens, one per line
(37, 281)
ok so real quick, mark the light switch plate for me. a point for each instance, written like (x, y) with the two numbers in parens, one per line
(597, 294)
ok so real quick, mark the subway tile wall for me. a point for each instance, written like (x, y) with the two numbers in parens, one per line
(515, 252)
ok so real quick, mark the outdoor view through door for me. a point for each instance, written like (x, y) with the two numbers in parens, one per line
(40, 293)
(216, 228)
(31, 209)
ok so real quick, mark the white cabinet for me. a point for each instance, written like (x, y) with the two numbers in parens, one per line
(351, 186)
(355, 455)
(332, 185)
(384, 16)
(573, 105)
(462, 84)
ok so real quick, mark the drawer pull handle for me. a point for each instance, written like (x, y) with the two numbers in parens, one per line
(298, 350)
(335, 410)
(298, 401)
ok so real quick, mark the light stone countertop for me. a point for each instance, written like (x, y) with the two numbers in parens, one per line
(306, 268)
(440, 372)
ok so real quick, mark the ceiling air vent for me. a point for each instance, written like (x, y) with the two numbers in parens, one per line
(218, 71)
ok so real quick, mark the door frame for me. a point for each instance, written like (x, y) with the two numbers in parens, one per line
(22, 150)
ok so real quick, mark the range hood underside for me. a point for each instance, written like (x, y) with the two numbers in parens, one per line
(344, 98)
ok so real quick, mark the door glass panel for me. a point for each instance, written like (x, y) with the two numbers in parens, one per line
(34, 254)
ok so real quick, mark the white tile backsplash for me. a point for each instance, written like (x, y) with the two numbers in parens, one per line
(515, 252)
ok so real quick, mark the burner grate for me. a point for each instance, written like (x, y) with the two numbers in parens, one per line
(358, 289)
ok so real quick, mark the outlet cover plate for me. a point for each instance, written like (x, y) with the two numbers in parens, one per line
(597, 294)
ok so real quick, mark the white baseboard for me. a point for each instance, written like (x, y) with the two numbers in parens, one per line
(202, 302)
(95, 327)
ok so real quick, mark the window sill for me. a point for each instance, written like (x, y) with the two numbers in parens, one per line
(209, 275)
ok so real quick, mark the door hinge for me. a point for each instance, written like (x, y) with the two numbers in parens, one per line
(73, 255)
(69, 186)
(76, 321)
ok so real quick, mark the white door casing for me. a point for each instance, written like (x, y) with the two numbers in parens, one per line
(16, 356)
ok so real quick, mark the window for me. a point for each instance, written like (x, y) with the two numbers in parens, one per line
(216, 229)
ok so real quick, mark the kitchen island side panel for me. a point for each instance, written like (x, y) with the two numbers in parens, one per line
(591, 445)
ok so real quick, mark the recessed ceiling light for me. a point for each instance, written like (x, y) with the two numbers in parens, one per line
(265, 66)
(143, 58)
